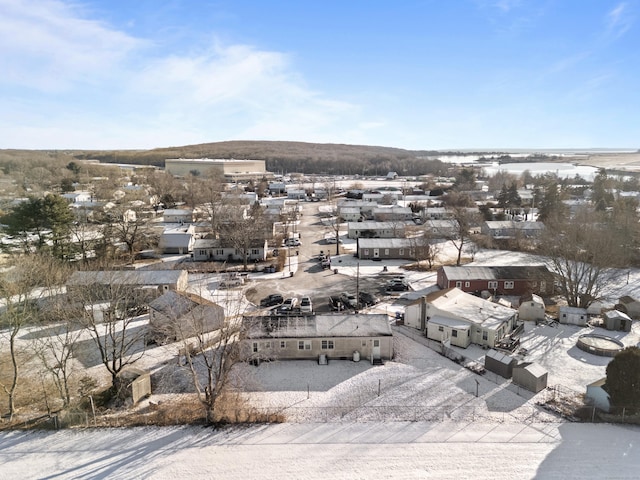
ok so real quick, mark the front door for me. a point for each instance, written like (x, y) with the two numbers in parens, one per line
(376, 253)
(375, 350)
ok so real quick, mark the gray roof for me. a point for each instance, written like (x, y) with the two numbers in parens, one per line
(371, 225)
(532, 272)
(317, 326)
(172, 303)
(385, 243)
(500, 357)
(125, 277)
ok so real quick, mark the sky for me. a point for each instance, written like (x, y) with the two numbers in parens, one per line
(415, 74)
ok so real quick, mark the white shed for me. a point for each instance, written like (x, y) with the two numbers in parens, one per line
(573, 316)
(531, 308)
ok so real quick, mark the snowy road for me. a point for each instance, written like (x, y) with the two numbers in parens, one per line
(324, 451)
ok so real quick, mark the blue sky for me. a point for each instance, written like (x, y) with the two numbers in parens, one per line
(430, 74)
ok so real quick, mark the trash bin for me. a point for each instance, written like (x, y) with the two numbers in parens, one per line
(335, 270)
(291, 274)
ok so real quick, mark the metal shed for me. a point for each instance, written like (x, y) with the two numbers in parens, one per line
(530, 376)
(616, 320)
(500, 363)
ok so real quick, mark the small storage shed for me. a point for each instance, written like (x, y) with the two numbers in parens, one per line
(573, 316)
(597, 396)
(616, 320)
(500, 363)
(531, 307)
(630, 306)
(530, 376)
(134, 384)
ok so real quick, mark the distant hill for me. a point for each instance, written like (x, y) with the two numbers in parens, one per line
(286, 157)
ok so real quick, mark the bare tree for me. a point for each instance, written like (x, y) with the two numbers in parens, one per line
(583, 252)
(425, 247)
(126, 224)
(464, 217)
(55, 351)
(212, 355)
(107, 309)
(29, 279)
(245, 232)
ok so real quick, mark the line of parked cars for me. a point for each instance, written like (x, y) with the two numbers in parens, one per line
(283, 306)
(349, 301)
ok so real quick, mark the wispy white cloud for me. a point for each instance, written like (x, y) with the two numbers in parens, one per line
(96, 88)
(618, 20)
(506, 5)
(47, 45)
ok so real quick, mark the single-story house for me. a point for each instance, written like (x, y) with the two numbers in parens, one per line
(178, 240)
(386, 248)
(387, 197)
(337, 336)
(460, 318)
(365, 208)
(573, 316)
(102, 284)
(509, 229)
(296, 194)
(503, 280)
(392, 214)
(217, 250)
(597, 396)
(277, 187)
(376, 229)
(176, 316)
(531, 307)
(530, 376)
(630, 306)
(436, 213)
(78, 197)
(617, 320)
(177, 215)
(350, 214)
(441, 228)
(500, 363)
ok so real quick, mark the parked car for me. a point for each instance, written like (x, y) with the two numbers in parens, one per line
(367, 299)
(397, 285)
(272, 300)
(349, 300)
(292, 242)
(336, 304)
(332, 240)
(288, 305)
(305, 305)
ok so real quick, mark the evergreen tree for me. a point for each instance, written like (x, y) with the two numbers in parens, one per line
(623, 378)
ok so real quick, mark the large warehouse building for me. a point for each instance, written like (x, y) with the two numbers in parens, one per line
(231, 169)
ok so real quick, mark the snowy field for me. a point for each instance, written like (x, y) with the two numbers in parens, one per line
(364, 450)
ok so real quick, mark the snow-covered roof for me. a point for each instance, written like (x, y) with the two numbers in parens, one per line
(611, 314)
(500, 357)
(473, 272)
(126, 277)
(385, 243)
(534, 369)
(471, 308)
(328, 325)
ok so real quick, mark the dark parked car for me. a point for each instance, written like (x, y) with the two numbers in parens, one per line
(367, 299)
(271, 300)
(397, 285)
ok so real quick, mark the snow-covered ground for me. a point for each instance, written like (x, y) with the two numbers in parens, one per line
(322, 451)
(418, 416)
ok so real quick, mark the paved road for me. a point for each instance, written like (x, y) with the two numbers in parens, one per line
(309, 278)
